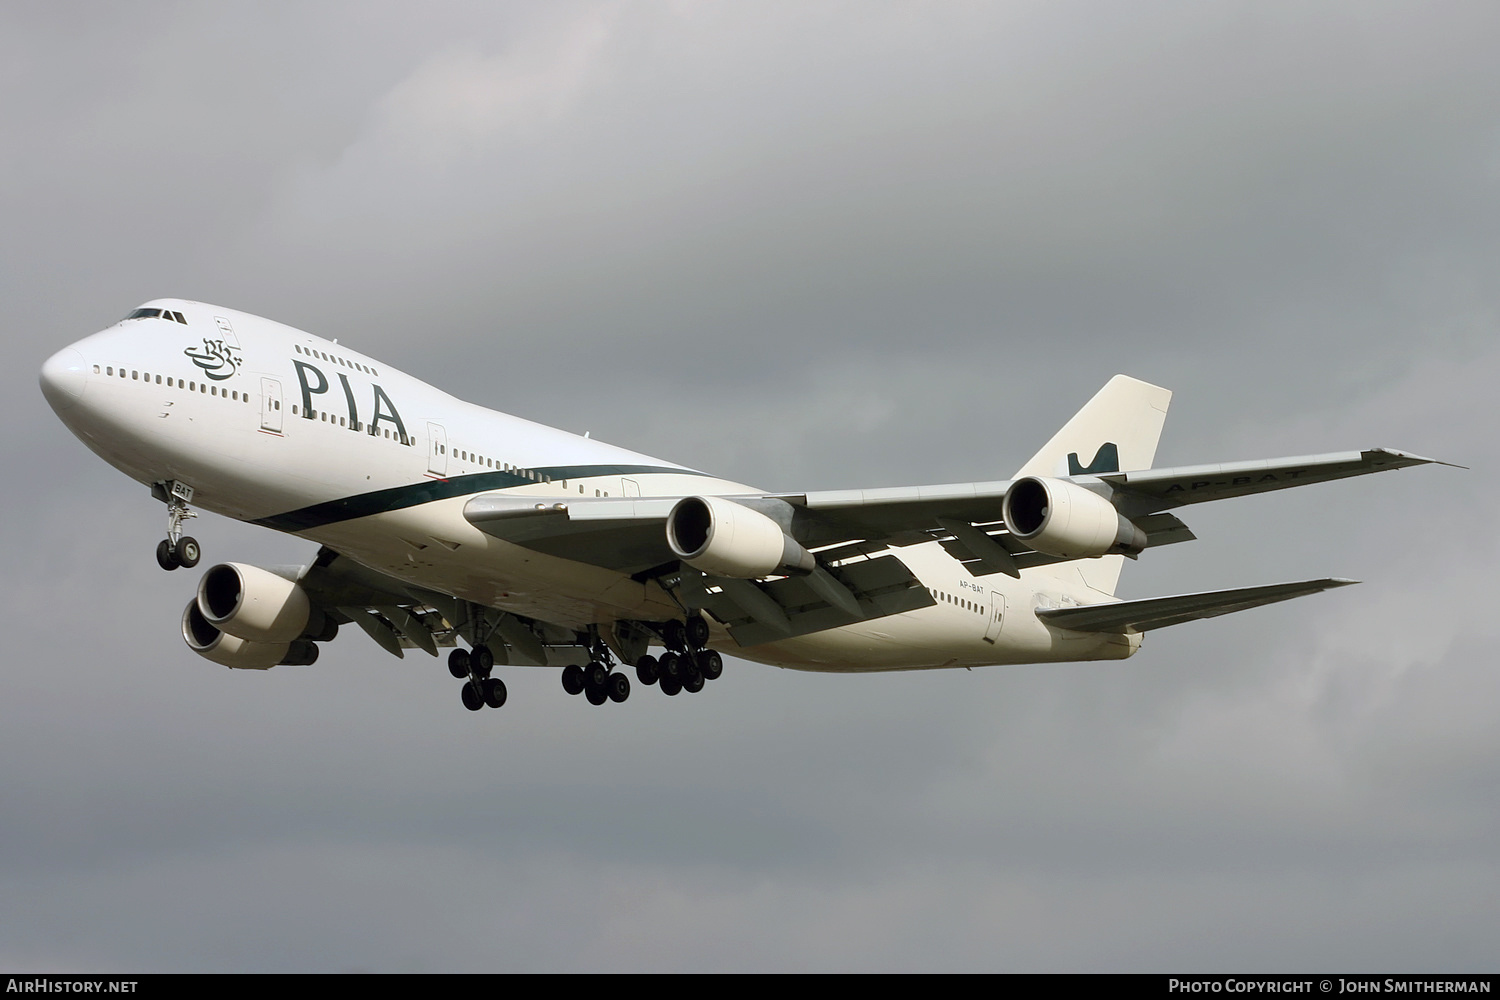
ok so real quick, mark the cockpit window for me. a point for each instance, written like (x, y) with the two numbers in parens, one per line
(166, 314)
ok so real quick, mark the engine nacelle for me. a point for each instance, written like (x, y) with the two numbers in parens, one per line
(255, 604)
(1064, 519)
(724, 538)
(240, 654)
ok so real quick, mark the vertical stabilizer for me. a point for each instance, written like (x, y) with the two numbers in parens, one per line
(1116, 431)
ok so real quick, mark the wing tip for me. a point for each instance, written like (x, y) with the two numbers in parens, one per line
(1410, 459)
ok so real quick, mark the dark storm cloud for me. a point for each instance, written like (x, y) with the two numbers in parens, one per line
(803, 245)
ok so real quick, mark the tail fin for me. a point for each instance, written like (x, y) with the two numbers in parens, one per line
(1116, 431)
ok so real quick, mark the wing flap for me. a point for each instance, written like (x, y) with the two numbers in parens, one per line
(1159, 612)
(791, 606)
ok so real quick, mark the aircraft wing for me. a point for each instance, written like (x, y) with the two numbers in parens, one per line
(1154, 490)
(628, 534)
(398, 616)
(1159, 612)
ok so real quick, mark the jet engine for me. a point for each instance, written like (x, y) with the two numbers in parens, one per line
(232, 651)
(256, 604)
(1064, 519)
(724, 538)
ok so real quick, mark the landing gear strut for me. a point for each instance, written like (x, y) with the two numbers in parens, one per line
(178, 549)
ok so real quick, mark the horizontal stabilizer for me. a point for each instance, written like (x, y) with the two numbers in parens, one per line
(1159, 612)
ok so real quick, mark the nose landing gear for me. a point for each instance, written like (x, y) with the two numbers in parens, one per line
(177, 549)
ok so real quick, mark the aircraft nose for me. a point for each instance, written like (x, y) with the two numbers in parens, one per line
(63, 378)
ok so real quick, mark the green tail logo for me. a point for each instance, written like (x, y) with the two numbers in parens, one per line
(1106, 459)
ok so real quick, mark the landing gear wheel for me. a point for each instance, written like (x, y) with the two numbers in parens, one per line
(710, 665)
(693, 682)
(697, 632)
(646, 669)
(458, 663)
(595, 675)
(669, 685)
(186, 552)
(674, 634)
(473, 700)
(494, 692)
(596, 695)
(482, 660)
(618, 687)
(670, 665)
(164, 557)
(572, 679)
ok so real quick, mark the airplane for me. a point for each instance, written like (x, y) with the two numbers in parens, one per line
(441, 522)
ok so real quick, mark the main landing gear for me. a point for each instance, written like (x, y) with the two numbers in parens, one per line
(474, 666)
(599, 681)
(178, 549)
(686, 665)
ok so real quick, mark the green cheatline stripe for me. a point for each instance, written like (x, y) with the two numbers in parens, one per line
(428, 490)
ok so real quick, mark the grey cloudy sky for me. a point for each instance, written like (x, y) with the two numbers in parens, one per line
(806, 245)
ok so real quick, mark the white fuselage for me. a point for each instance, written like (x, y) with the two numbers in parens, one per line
(220, 402)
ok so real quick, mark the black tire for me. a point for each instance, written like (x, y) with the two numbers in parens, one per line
(693, 683)
(670, 665)
(572, 679)
(164, 557)
(473, 700)
(187, 552)
(494, 692)
(669, 685)
(618, 687)
(458, 663)
(482, 660)
(697, 632)
(646, 669)
(595, 674)
(674, 634)
(710, 665)
(596, 695)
